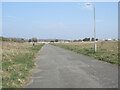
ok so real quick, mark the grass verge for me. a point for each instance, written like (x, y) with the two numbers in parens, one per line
(106, 50)
(17, 63)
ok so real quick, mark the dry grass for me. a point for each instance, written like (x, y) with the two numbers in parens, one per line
(0, 65)
(17, 62)
(106, 50)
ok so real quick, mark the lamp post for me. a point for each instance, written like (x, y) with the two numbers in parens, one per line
(95, 46)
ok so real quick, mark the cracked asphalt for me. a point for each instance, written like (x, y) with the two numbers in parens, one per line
(60, 68)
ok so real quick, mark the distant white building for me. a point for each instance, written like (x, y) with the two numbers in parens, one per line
(109, 39)
(43, 42)
(106, 39)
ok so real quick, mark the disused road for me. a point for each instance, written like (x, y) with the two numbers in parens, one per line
(60, 68)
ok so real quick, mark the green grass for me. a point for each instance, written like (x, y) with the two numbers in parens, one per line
(106, 51)
(17, 63)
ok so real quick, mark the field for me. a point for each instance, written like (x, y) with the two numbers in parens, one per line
(17, 63)
(106, 50)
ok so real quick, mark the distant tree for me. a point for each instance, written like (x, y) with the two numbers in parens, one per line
(0, 38)
(92, 39)
(80, 40)
(14, 39)
(29, 40)
(69, 41)
(97, 39)
(56, 40)
(52, 41)
(75, 40)
(21, 40)
(86, 39)
(4, 39)
(34, 39)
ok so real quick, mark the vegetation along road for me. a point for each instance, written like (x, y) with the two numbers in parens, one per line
(60, 68)
(107, 51)
(17, 63)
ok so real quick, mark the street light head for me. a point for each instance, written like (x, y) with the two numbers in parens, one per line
(88, 4)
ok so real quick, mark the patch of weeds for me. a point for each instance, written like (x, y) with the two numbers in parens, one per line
(107, 51)
(16, 68)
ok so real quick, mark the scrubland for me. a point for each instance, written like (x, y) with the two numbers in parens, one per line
(17, 63)
(106, 50)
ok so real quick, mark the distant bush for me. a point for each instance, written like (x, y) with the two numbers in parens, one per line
(86, 39)
(17, 40)
(80, 40)
(52, 41)
(106, 40)
(29, 40)
(94, 39)
(34, 39)
(56, 40)
(12, 39)
(4, 39)
(75, 41)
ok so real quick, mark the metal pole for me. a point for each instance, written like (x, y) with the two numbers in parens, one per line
(95, 31)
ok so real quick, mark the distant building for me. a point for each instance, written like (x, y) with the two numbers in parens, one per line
(109, 39)
(53, 41)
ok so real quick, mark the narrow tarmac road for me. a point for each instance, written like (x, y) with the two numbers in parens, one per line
(60, 68)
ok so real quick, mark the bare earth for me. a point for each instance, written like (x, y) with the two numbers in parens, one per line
(60, 68)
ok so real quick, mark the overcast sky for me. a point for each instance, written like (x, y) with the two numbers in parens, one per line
(59, 20)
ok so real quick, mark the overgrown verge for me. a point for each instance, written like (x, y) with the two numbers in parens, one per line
(17, 62)
(106, 50)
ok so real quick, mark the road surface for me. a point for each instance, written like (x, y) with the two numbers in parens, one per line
(60, 68)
